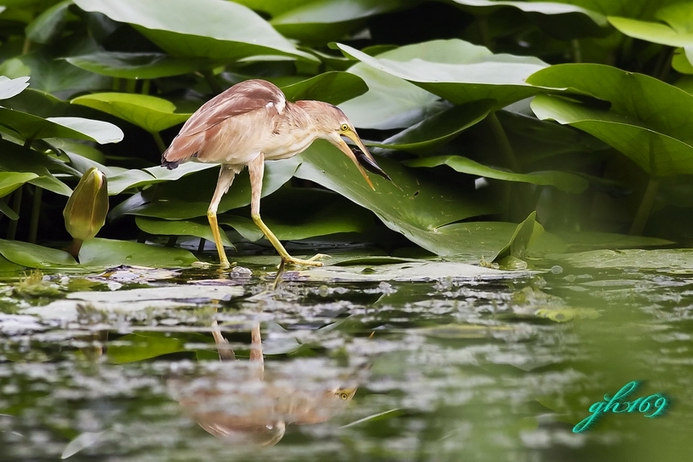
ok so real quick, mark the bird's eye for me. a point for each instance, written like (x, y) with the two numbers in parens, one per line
(344, 127)
(344, 396)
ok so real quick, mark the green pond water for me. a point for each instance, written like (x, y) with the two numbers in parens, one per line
(135, 365)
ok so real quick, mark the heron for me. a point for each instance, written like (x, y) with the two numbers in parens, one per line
(252, 122)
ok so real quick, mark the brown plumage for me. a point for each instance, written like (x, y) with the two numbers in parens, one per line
(252, 122)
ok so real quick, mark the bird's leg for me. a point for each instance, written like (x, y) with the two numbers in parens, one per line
(256, 169)
(226, 175)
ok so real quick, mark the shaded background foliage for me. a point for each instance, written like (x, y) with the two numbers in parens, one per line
(460, 100)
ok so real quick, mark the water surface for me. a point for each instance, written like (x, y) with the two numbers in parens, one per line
(449, 369)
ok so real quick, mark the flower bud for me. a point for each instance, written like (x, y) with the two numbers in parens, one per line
(87, 207)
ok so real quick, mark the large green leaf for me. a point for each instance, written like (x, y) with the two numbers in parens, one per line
(643, 9)
(138, 65)
(135, 178)
(675, 29)
(9, 181)
(422, 202)
(34, 256)
(418, 207)
(151, 113)
(648, 120)
(457, 70)
(298, 213)
(331, 87)
(273, 7)
(439, 128)
(12, 87)
(328, 20)
(17, 158)
(106, 252)
(49, 25)
(390, 102)
(31, 127)
(561, 180)
(120, 179)
(50, 73)
(204, 28)
(561, 20)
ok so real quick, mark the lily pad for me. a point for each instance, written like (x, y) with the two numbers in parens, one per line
(150, 113)
(138, 65)
(589, 240)
(420, 271)
(667, 260)
(34, 256)
(561, 180)
(421, 209)
(457, 70)
(206, 28)
(648, 120)
(133, 300)
(418, 201)
(106, 252)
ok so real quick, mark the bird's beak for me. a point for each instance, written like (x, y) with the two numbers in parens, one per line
(361, 157)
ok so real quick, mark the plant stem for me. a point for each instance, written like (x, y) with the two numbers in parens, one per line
(131, 86)
(146, 85)
(74, 247)
(576, 50)
(26, 46)
(503, 142)
(663, 64)
(643, 213)
(35, 213)
(211, 81)
(159, 141)
(482, 26)
(16, 205)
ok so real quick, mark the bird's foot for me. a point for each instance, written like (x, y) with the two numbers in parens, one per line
(289, 260)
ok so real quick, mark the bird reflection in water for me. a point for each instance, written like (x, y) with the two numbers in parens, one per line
(239, 403)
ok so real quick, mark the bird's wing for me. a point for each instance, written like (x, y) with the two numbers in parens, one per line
(244, 97)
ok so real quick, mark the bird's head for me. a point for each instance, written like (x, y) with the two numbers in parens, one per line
(331, 124)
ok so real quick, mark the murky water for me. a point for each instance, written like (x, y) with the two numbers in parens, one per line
(452, 369)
